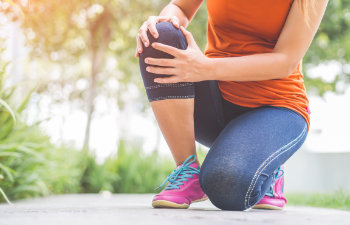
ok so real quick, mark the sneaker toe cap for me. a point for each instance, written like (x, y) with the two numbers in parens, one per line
(279, 202)
(172, 198)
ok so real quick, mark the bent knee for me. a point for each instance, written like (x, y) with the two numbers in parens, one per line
(169, 35)
(225, 187)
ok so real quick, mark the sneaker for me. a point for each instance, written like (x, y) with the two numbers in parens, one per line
(274, 198)
(183, 187)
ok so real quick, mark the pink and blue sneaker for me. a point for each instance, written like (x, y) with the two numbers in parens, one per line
(183, 187)
(274, 198)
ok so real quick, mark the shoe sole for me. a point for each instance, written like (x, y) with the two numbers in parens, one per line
(173, 205)
(266, 206)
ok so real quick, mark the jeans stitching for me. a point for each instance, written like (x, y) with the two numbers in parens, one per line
(168, 85)
(257, 173)
(172, 97)
(255, 178)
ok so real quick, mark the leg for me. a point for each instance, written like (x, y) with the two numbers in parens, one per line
(239, 167)
(208, 112)
(172, 104)
(212, 112)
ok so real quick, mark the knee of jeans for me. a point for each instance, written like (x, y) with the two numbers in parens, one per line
(169, 35)
(225, 187)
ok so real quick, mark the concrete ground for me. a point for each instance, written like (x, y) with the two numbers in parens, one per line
(120, 209)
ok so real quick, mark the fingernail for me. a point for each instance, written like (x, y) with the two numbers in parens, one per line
(155, 80)
(146, 44)
(146, 60)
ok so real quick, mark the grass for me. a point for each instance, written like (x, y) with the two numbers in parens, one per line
(335, 200)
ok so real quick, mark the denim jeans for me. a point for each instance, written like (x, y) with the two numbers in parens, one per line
(246, 145)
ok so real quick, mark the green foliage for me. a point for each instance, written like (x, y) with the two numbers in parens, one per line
(129, 171)
(15, 146)
(29, 164)
(336, 200)
(198, 26)
(66, 29)
(72, 34)
(331, 43)
(96, 177)
(140, 172)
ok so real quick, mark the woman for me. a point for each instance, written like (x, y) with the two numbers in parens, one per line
(244, 97)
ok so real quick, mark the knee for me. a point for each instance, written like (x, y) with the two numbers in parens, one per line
(224, 185)
(169, 35)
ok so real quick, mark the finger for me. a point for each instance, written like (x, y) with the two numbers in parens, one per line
(163, 18)
(173, 79)
(143, 35)
(167, 49)
(175, 21)
(139, 46)
(160, 70)
(153, 30)
(152, 26)
(189, 37)
(160, 62)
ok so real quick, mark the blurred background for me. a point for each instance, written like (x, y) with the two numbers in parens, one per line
(74, 116)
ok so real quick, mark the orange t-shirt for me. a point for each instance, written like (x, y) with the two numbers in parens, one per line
(244, 27)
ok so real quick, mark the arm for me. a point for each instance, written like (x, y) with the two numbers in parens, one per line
(191, 65)
(178, 12)
(184, 10)
(293, 42)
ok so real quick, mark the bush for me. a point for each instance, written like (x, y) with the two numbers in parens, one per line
(29, 164)
(129, 171)
(337, 199)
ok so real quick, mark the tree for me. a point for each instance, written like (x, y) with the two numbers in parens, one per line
(68, 32)
(332, 43)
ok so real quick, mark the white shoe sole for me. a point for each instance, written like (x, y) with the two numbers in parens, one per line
(266, 206)
(173, 205)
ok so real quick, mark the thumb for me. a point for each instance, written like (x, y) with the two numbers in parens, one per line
(190, 40)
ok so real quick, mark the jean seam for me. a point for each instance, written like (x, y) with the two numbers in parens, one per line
(168, 85)
(257, 173)
(172, 97)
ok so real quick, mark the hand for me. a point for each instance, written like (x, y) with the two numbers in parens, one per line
(189, 65)
(150, 25)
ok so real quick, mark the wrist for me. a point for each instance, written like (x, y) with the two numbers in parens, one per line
(209, 68)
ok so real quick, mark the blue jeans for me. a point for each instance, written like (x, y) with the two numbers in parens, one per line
(246, 144)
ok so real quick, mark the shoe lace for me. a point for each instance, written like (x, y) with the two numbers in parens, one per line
(181, 174)
(271, 192)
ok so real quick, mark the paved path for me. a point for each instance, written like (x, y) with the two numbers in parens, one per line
(119, 209)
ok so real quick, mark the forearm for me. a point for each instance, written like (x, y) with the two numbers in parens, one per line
(265, 66)
(173, 10)
(184, 10)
